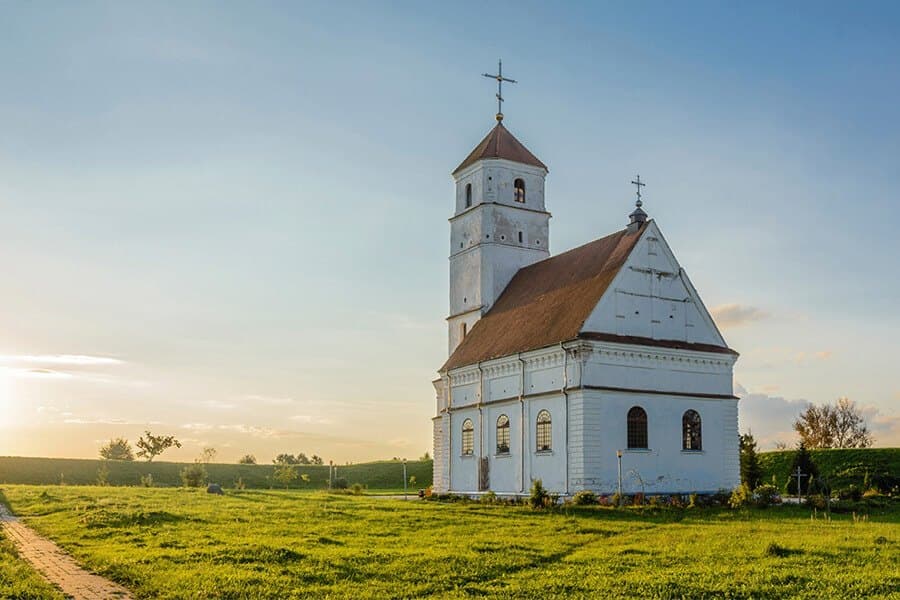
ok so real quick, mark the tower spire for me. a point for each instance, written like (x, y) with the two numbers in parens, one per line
(500, 79)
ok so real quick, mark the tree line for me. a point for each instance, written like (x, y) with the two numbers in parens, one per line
(149, 446)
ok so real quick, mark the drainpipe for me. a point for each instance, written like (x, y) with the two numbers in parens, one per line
(566, 394)
(480, 423)
(449, 433)
(522, 421)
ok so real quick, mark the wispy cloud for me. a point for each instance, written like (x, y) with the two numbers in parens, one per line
(735, 315)
(310, 419)
(805, 357)
(270, 400)
(74, 360)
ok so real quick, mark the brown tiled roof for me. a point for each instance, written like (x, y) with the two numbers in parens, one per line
(500, 143)
(548, 302)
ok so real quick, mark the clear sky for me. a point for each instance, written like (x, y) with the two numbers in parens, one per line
(228, 220)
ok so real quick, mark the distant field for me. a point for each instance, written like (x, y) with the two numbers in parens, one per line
(184, 543)
(382, 475)
(842, 467)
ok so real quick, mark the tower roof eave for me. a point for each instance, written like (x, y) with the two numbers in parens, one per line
(500, 143)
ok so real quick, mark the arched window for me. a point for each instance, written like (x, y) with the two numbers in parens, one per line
(503, 435)
(519, 184)
(468, 195)
(637, 427)
(468, 438)
(691, 438)
(544, 434)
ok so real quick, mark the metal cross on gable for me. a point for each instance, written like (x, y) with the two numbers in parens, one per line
(500, 79)
(638, 184)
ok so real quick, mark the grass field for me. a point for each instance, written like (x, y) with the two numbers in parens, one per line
(182, 543)
(380, 475)
(18, 580)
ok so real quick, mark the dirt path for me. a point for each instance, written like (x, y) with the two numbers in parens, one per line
(56, 565)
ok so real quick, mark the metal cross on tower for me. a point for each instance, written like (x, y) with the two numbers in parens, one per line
(638, 184)
(500, 79)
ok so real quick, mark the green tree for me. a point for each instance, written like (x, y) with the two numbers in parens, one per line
(317, 460)
(150, 446)
(247, 459)
(802, 459)
(285, 473)
(117, 449)
(302, 459)
(840, 425)
(285, 459)
(751, 472)
(425, 456)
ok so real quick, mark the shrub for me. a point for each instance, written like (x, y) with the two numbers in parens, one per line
(720, 498)
(357, 489)
(692, 502)
(766, 495)
(774, 549)
(585, 498)
(247, 459)
(851, 492)
(194, 475)
(616, 499)
(285, 473)
(539, 497)
(103, 475)
(239, 483)
(147, 480)
(489, 498)
(655, 501)
(740, 496)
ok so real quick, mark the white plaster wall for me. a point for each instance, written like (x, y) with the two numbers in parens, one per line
(664, 467)
(652, 297)
(463, 469)
(504, 468)
(549, 467)
(661, 369)
(485, 251)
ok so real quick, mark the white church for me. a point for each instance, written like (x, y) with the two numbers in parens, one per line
(561, 366)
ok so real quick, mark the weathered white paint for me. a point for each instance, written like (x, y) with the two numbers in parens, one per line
(652, 297)
(485, 246)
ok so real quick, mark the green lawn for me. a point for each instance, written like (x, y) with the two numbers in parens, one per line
(182, 543)
(18, 580)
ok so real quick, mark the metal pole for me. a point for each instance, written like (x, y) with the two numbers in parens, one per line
(619, 457)
(404, 479)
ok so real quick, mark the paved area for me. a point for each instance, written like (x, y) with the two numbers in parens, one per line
(56, 565)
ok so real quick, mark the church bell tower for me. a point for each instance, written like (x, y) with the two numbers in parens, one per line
(499, 226)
